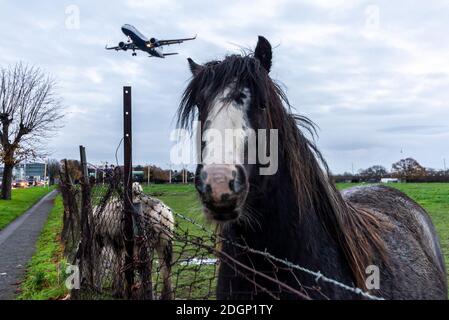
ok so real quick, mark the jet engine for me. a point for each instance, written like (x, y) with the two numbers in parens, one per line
(122, 45)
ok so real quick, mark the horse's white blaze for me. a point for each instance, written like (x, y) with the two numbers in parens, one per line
(225, 130)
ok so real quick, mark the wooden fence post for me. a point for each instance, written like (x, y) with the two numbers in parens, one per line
(87, 258)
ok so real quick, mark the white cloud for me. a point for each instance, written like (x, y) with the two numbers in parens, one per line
(335, 4)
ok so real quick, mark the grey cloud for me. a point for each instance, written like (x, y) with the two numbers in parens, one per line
(367, 92)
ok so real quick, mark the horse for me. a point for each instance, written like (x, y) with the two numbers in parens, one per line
(373, 238)
(158, 222)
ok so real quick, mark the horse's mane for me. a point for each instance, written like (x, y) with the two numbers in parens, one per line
(356, 232)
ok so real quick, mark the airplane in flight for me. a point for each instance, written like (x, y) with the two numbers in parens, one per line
(137, 41)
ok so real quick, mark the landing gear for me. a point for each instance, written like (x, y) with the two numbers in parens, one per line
(134, 54)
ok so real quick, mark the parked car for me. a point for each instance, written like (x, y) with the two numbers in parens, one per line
(21, 184)
(40, 183)
(31, 182)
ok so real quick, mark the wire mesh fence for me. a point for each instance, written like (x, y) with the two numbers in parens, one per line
(169, 261)
(174, 256)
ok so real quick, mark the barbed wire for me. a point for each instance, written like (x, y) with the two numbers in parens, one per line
(196, 258)
(318, 275)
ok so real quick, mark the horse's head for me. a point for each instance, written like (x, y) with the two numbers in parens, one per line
(136, 189)
(230, 99)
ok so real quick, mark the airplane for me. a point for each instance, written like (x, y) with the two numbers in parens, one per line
(137, 41)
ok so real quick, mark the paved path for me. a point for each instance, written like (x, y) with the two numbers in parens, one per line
(17, 245)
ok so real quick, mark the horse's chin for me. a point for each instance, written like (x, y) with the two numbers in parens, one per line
(221, 215)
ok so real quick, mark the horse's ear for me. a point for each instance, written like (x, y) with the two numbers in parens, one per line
(194, 67)
(263, 53)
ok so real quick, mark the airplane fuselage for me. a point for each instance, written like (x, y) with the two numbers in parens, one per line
(141, 41)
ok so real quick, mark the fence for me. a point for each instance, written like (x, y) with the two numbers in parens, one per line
(169, 260)
(128, 244)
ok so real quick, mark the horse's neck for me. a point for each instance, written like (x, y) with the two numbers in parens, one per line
(276, 226)
(286, 233)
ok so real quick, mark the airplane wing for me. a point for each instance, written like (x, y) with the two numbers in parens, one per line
(170, 54)
(174, 41)
(124, 47)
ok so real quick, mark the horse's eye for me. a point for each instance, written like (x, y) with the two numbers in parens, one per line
(239, 97)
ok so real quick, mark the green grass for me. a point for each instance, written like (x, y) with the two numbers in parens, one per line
(44, 278)
(22, 200)
(191, 281)
(182, 199)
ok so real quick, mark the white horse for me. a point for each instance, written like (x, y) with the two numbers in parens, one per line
(158, 227)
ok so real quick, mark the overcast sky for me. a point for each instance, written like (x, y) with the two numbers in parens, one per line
(374, 75)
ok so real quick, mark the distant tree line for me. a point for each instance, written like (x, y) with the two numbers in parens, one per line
(140, 173)
(405, 170)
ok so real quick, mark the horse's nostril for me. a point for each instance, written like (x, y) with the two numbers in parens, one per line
(208, 189)
(232, 185)
(225, 197)
(238, 186)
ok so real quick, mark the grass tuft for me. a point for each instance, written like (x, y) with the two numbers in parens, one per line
(22, 200)
(45, 275)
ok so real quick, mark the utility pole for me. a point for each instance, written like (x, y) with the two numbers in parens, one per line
(170, 174)
(149, 173)
(45, 175)
(183, 175)
(444, 164)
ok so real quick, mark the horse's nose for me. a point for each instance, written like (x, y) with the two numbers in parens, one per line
(220, 185)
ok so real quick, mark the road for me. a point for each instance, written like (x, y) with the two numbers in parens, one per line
(17, 245)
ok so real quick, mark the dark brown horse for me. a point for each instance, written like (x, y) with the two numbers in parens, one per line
(294, 212)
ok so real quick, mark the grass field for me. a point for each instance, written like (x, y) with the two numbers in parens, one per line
(194, 281)
(22, 200)
(43, 279)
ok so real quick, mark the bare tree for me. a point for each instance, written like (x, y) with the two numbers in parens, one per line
(30, 111)
(374, 172)
(408, 169)
(156, 174)
(73, 169)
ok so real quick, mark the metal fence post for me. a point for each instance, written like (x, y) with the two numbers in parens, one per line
(128, 230)
(84, 163)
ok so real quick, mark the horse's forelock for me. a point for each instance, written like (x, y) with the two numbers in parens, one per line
(215, 76)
